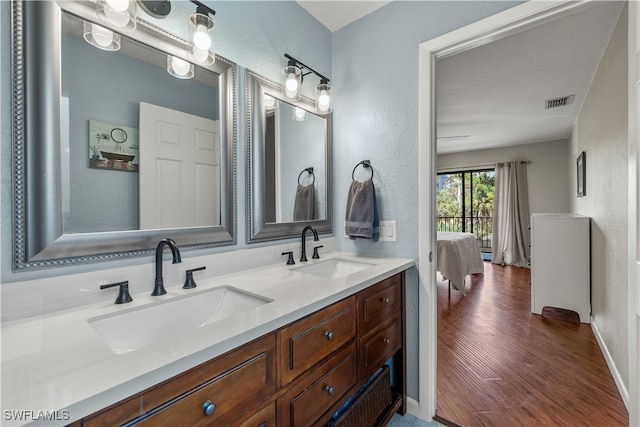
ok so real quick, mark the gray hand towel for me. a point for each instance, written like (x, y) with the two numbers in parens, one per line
(304, 205)
(361, 217)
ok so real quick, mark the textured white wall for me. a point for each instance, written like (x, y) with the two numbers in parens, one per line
(601, 131)
(546, 174)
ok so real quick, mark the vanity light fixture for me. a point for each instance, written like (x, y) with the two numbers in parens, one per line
(100, 37)
(295, 72)
(117, 13)
(179, 68)
(201, 34)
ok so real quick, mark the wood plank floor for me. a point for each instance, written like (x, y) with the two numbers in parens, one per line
(501, 365)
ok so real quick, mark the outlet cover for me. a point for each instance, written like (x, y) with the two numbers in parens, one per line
(388, 231)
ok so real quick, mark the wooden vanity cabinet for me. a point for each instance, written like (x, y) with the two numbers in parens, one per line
(296, 376)
(235, 383)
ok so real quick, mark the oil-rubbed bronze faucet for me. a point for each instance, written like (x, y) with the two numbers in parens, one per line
(303, 256)
(158, 288)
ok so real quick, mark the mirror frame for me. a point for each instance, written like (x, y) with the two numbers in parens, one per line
(256, 86)
(38, 237)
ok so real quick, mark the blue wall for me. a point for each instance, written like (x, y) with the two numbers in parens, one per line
(375, 79)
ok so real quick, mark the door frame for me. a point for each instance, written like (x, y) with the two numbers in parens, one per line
(511, 21)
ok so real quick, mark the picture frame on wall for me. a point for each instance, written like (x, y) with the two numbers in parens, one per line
(581, 166)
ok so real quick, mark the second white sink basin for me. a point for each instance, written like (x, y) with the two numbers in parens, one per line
(334, 268)
(132, 329)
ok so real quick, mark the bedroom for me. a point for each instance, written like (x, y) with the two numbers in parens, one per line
(600, 130)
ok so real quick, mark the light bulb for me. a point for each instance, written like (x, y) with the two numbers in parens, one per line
(119, 5)
(292, 83)
(101, 35)
(323, 101)
(180, 66)
(201, 37)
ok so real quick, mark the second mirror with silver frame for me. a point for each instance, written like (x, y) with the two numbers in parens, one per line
(288, 163)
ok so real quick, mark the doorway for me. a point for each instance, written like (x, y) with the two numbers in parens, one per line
(512, 21)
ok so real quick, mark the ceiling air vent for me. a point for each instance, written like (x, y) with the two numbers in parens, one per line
(558, 102)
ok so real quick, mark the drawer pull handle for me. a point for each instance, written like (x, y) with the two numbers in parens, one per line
(328, 334)
(208, 408)
(385, 340)
(328, 389)
(385, 300)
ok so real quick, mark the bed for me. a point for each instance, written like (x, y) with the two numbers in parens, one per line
(458, 256)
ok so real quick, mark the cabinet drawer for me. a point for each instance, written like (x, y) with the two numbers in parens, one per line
(116, 415)
(308, 341)
(379, 302)
(264, 418)
(314, 396)
(378, 346)
(234, 391)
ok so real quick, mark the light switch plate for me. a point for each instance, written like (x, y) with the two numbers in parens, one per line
(388, 231)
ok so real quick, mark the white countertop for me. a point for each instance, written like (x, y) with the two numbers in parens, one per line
(58, 362)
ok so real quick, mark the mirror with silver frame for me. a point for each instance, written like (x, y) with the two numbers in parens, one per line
(78, 193)
(288, 163)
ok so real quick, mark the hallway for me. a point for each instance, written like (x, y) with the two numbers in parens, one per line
(501, 365)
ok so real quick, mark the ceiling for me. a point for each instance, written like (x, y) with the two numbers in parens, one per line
(335, 14)
(494, 95)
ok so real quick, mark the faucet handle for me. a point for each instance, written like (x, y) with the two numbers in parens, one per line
(189, 283)
(123, 294)
(290, 260)
(315, 252)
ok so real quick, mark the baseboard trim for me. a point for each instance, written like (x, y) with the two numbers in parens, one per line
(413, 407)
(624, 392)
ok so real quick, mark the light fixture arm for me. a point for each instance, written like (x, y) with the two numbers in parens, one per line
(294, 62)
(202, 8)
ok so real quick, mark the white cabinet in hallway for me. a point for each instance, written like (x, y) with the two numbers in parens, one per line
(561, 263)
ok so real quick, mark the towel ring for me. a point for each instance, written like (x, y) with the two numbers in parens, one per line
(365, 164)
(310, 171)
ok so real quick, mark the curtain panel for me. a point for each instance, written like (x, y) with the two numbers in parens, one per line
(510, 238)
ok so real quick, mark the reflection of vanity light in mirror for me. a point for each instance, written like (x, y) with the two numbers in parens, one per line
(179, 68)
(101, 37)
(299, 114)
(270, 103)
(200, 34)
(119, 13)
(294, 77)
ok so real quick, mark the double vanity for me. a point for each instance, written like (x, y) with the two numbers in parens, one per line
(290, 343)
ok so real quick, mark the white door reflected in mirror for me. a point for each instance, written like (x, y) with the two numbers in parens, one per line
(180, 180)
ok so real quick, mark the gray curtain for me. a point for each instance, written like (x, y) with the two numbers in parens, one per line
(510, 232)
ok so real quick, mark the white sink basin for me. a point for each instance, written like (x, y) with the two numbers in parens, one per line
(132, 329)
(334, 268)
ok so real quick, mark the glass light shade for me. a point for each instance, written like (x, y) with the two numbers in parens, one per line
(293, 80)
(204, 57)
(201, 31)
(324, 100)
(100, 37)
(117, 13)
(179, 68)
(299, 114)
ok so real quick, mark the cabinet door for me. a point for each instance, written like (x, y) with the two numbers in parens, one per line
(308, 341)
